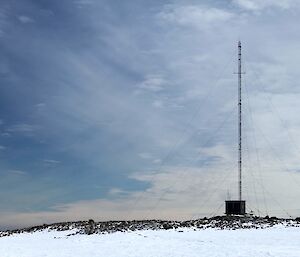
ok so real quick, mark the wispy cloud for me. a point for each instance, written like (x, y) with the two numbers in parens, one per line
(84, 2)
(195, 15)
(25, 19)
(40, 105)
(153, 83)
(146, 155)
(26, 128)
(51, 161)
(256, 5)
(17, 172)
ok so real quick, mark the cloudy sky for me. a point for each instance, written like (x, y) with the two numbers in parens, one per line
(127, 109)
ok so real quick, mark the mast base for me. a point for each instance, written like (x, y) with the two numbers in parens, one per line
(233, 207)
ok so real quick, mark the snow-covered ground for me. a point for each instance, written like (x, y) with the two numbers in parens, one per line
(277, 241)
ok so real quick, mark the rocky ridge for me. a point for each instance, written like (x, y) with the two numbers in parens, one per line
(217, 222)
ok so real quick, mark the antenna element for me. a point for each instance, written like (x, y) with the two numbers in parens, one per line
(240, 118)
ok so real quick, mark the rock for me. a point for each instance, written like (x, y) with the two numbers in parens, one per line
(90, 228)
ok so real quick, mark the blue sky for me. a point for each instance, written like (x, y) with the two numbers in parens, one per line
(127, 109)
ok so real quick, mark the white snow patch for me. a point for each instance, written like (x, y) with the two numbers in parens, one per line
(275, 242)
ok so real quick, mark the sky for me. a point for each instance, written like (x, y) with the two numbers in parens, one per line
(128, 109)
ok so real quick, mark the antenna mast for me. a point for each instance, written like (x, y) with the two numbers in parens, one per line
(238, 207)
(240, 118)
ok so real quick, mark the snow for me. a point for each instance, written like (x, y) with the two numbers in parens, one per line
(278, 241)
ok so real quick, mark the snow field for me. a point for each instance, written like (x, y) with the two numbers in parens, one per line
(272, 242)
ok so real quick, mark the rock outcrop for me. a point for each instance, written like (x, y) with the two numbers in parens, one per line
(218, 222)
